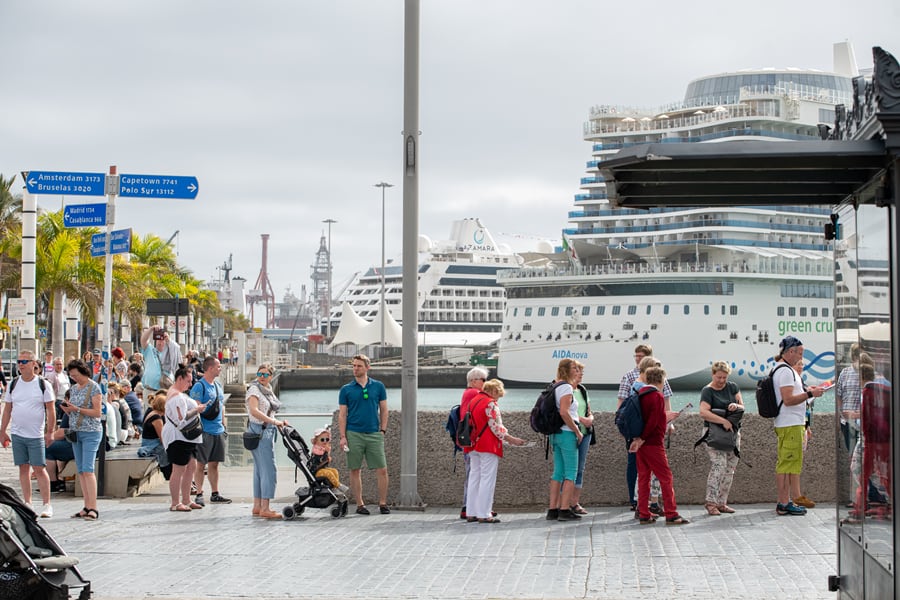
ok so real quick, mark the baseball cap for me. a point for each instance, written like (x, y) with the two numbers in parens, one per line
(97, 351)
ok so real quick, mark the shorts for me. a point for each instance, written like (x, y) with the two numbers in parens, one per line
(369, 446)
(180, 452)
(28, 451)
(212, 449)
(790, 449)
(60, 450)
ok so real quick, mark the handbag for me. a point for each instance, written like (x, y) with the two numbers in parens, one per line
(165, 381)
(251, 440)
(71, 436)
(191, 429)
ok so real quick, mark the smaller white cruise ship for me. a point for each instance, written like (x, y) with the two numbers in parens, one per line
(460, 302)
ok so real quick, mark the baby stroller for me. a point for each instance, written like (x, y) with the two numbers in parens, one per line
(32, 565)
(318, 492)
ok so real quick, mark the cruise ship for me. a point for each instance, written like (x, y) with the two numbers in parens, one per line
(460, 303)
(697, 284)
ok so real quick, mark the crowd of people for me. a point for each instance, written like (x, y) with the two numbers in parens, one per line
(54, 413)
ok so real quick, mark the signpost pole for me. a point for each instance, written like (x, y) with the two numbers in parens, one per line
(111, 191)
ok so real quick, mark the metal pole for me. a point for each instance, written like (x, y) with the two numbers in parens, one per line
(328, 297)
(112, 190)
(409, 494)
(382, 185)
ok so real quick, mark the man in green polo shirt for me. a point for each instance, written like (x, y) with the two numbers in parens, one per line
(363, 419)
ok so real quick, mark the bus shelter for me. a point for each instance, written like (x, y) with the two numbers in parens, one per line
(855, 169)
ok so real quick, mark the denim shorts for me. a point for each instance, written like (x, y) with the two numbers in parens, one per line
(28, 451)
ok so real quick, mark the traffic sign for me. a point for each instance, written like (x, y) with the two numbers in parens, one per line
(158, 186)
(65, 184)
(17, 311)
(119, 244)
(84, 215)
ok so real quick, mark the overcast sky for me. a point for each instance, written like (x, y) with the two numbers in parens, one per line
(288, 112)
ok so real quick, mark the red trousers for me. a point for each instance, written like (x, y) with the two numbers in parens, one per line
(653, 459)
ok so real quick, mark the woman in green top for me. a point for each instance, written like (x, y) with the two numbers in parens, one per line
(724, 395)
(586, 424)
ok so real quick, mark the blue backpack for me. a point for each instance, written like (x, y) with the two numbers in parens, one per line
(452, 426)
(629, 418)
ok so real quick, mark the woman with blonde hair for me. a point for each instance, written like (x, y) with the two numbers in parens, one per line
(262, 404)
(565, 444)
(722, 395)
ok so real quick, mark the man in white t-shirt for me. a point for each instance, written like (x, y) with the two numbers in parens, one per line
(790, 427)
(33, 415)
(59, 379)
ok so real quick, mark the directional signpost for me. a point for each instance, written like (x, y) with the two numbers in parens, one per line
(65, 184)
(158, 186)
(120, 242)
(84, 215)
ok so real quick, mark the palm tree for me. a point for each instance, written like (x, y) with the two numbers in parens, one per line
(10, 228)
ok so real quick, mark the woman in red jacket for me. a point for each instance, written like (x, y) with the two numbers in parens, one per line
(489, 435)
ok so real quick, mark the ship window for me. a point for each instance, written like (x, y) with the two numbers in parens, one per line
(706, 309)
(601, 310)
(554, 312)
(648, 309)
(687, 309)
(541, 311)
(526, 327)
(528, 312)
(569, 311)
(632, 309)
(824, 312)
(802, 311)
(585, 310)
(780, 311)
(814, 311)
(792, 311)
(733, 310)
(616, 310)
(722, 327)
(665, 309)
(723, 309)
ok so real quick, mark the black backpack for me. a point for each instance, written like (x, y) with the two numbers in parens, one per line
(545, 417)
(464, 437)
(41, 383)
(629, 418)
(452, 426)
(766, 401)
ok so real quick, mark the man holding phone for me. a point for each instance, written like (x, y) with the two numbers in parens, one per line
(161, 358)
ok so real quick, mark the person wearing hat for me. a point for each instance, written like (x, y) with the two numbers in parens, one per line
(790, 427)
(321, 459)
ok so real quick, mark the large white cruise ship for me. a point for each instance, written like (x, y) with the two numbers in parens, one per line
(697, 284)
(459, 300)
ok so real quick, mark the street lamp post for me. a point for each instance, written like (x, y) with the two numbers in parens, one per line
(382, 185)
(328, 297)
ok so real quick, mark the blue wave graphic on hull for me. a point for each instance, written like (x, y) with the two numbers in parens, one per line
(819, 366)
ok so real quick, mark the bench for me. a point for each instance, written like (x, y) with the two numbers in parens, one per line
(127, 474)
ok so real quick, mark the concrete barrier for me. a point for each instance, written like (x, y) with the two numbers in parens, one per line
(523, 476)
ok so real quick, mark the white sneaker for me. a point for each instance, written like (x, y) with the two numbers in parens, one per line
(46, 511)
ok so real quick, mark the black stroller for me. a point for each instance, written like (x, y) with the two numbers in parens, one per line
(32, 565)
(317, 493)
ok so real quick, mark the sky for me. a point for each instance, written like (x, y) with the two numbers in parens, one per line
(288, 112)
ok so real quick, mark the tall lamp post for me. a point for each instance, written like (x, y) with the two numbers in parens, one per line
(328, 298)
(382, 185)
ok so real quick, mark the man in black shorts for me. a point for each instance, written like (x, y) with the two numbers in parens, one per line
(211, 452)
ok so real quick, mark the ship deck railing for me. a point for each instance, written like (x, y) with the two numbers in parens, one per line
(798, 266)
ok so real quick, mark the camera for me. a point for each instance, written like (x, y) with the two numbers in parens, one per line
(159, 334)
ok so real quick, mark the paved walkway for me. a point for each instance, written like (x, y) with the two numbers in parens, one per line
(140, 550)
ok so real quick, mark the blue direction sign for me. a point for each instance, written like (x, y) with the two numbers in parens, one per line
(66, 184)
(84, 215)
(119, 244)
(158, 186)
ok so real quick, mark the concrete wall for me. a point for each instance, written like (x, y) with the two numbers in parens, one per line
(524, 473)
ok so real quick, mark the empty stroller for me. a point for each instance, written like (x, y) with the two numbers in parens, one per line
(32, 565)
(317, 493)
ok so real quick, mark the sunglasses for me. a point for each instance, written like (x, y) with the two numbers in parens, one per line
(324, 440)
(23, 361)
(260, 374)
(365, 393)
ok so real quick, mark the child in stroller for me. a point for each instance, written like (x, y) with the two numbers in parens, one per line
(321, 458)
(32, 565)
(319, 491)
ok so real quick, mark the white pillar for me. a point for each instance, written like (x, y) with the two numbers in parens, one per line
(27, 339)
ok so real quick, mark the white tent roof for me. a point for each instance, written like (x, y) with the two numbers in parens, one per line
(356, 330)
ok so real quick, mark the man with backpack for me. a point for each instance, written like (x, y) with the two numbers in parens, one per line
(790, 427)
(211, 452)
(29, 406)
(475, 379)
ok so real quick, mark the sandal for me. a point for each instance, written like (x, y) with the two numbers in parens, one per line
(649, 521)
(725, 509)
(179, 508)
(578, 509)
(195, 506)
(679, 520)
(471, 519)
(91, 514)
(713, 510)
(80, 514)
(489, 520)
